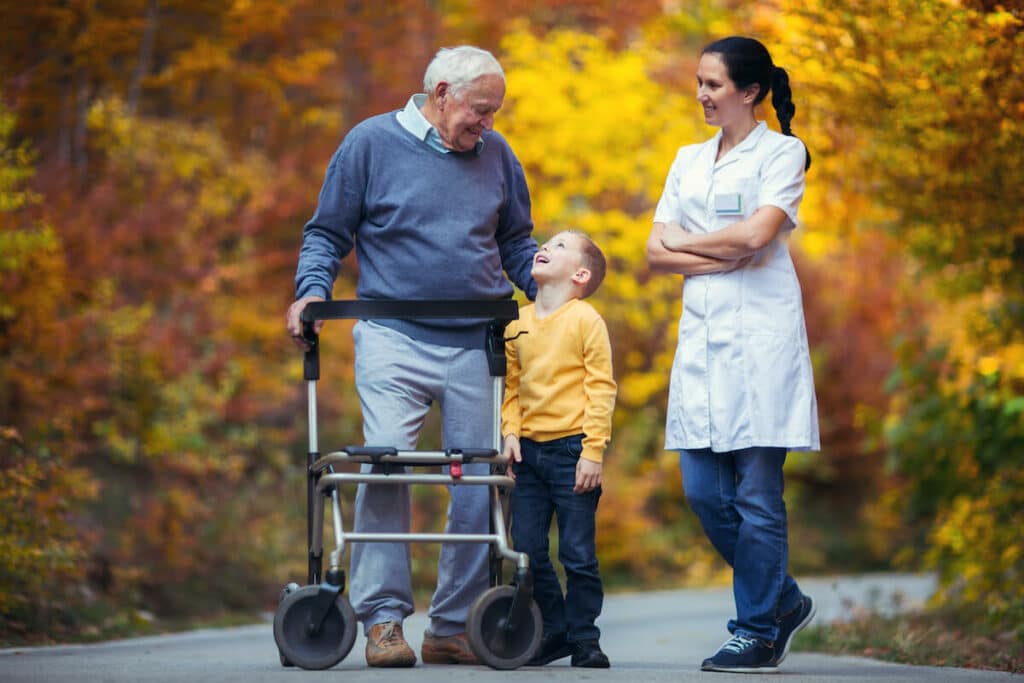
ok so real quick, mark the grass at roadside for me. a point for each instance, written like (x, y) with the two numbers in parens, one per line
(934, 638)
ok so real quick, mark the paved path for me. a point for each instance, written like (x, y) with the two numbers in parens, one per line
(656, 637)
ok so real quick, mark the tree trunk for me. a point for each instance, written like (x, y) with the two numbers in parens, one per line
(145, 55)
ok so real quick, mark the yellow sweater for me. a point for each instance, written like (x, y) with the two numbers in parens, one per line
(559, 380)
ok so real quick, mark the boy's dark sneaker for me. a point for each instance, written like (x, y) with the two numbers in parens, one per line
(552, 646)
(741, 654)
(587, 654)
(791, 623)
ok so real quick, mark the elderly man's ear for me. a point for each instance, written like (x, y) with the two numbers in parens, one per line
(441, 94)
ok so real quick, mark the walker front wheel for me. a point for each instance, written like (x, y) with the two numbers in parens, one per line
(285, 592)
(308, 645)
(491, 641)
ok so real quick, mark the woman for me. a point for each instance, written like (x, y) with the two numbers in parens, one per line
(741, 393)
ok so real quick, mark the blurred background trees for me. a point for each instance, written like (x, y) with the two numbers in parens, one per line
(160, 157)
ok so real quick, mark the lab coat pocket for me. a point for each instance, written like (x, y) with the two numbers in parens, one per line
(770, 302)
(779, 387)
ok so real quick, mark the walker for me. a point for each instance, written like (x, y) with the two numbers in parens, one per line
(315, 625)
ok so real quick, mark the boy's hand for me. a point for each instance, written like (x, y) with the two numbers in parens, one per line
(512, 452)
(588, 475)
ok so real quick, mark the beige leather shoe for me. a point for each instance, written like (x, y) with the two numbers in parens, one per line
(386, 646)
(447, 649)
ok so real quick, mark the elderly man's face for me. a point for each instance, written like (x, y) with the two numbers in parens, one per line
(469, 113)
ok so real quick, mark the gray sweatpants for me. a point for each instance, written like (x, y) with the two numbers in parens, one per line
(398, 379)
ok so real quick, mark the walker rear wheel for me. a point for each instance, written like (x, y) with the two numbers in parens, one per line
(300, 643)
(491, 641)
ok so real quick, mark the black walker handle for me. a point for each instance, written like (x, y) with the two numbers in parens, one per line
(498, 311)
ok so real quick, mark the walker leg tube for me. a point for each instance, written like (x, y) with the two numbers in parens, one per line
(522, 560)
(312, 498)
(339, 533)
(498, 387)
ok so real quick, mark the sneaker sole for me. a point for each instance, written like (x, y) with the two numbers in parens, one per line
(743, 669)
(799, 627)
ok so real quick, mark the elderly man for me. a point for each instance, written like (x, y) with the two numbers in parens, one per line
(436, 205)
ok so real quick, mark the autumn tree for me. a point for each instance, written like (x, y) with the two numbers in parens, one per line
(42, 548)
(936, 89)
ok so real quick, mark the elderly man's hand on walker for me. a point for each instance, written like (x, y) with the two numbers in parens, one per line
(293, 321)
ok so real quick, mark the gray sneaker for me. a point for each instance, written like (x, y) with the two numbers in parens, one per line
(790, 624)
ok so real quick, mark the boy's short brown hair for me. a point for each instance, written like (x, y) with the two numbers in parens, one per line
(593, 260)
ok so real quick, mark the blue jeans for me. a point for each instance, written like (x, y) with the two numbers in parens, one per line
(738, 498)
(544, 483)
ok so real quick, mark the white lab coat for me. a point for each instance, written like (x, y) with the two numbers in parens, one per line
(742, 370)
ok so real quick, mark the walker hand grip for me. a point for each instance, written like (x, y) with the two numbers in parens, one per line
(497, 311)
(497, 362)
(311, 359)
(480, 309)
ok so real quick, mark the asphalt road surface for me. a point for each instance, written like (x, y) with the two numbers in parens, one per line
(661, 636)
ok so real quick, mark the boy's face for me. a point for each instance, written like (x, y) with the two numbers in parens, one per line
(558, 259)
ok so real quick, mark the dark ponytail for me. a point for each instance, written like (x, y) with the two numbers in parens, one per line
(782, 102)
(782, 99)
(749, 63)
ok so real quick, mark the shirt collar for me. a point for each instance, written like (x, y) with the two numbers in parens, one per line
(413, 120)
(748, 143)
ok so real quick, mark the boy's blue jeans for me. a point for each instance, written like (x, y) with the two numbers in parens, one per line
(738, 498)
(544, 483)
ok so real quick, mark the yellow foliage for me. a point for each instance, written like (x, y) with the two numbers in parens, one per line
(596, 134)
(188, 166)
(977, 342)
(920, 114)
(978, 545)
(40, 549)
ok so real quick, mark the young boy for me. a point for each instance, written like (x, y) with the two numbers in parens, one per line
(556, 420)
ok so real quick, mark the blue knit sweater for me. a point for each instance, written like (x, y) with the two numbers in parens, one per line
(425, 225)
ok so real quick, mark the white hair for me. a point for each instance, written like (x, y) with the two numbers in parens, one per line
(459, 67)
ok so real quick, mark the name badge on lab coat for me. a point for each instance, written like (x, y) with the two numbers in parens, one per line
(729, 204)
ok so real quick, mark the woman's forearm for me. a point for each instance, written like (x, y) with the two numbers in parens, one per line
(738, 240)
(662, 259)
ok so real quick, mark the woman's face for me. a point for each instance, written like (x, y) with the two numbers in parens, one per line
(723, 103)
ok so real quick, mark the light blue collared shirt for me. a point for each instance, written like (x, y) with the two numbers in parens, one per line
(413, 120)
